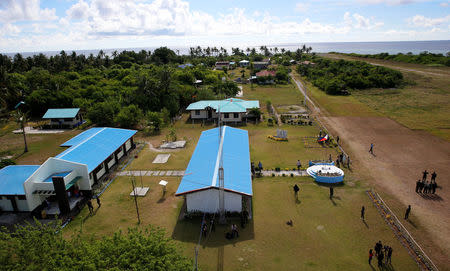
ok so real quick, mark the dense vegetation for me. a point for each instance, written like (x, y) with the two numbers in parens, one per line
(126, 88)
(422, 58)
(338, 77)
(40, 248)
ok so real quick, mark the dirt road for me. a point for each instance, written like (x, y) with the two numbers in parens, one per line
(400, 157)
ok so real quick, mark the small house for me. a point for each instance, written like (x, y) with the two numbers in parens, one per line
(244, 63)
(260, 65)
(220, 65)
(64, 117)
(231, 110)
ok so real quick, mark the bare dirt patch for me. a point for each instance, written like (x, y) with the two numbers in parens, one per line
(400, 156)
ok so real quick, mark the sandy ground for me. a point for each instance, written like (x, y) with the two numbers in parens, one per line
(400, 157)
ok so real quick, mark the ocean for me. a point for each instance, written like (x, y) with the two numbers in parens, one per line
(391, 47)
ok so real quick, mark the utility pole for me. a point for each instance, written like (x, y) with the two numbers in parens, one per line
(135, 198)
(22, 124)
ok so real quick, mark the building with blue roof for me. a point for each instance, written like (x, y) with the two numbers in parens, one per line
(200, 185)
(64, 117)
(231, 110)
(59, 180)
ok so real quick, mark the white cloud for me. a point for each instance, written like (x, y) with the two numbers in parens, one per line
(444, 4)
(391, 2)
(360, 22)
(422, 21)
(10, 29)
(24, 10)
(301, 7)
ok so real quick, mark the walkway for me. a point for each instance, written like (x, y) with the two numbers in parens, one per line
(173, 173)
(295, 173)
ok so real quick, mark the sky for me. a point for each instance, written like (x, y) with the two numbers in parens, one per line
(52, 25)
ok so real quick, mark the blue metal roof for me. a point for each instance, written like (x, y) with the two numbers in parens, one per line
(93, 146)
(202, 170)
(61, 113)
(231, 105)
(13, 177)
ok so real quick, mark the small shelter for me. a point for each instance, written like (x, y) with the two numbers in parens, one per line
(200, 184)
(231, 110)
(64, 117)
(244, 63)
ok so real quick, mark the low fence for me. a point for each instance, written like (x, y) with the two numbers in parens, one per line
(402, 234)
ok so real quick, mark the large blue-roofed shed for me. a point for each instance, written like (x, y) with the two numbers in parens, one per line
(200, 185)
(231, 110)
(64, 117)
(89, 157)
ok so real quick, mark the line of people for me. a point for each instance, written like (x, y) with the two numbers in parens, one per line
(425, 187)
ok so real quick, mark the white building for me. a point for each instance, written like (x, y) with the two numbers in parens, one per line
(89, 157)
(200, 185)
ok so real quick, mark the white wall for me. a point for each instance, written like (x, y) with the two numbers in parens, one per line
(128, 145)
(101, 173)
(52, 166)
(203, 114)
(208, 201)
(231, 117)
(112, 162)
(5, 204)
(120, 154)
(22, 204)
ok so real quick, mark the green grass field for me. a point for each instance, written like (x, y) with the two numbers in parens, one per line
(423, 104)
(326, 234)
(279, 95)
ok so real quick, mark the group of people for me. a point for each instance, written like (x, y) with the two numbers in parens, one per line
(91, 207)
(425, 187)
(258, 168)
(381, 253)
(340, 161)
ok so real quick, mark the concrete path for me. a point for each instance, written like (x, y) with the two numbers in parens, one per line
(31, 130)
(285, 172)
(174, 173)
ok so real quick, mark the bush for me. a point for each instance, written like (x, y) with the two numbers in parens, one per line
(6, 162)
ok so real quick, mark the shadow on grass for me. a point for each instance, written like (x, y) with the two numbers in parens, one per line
(365, 223)
(434, 197)
(412, 223)
(188, 230)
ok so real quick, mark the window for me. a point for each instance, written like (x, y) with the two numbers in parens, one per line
(226, 115)
(236, 115)
(21, 197)
(197, 112)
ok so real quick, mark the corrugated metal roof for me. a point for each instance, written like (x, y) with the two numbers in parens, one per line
(61, 113)
(93, 146)
(13, 177)
(231, 105)
(202, 170)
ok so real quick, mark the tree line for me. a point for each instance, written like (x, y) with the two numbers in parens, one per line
(421, 58)
(341, 76)
(42, 247)
(125, 88)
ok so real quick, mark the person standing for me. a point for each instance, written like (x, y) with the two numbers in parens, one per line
(98, 202)
(299, 165)
(433, 187)
(331, 192)
(296, 189)
(389, 255)
(380, 259)
(212, 225)
(417, 186)
(424, 176)
(363, 210)
(337, 140)
(370, 256)
(337, 163)
(348, 162)
(260, 166)
(371, 148)
(408, 210)
(433, 176)
(91, 208)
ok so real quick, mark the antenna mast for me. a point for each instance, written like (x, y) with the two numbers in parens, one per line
(222, 219)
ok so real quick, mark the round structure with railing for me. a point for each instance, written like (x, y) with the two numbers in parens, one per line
(326, 173)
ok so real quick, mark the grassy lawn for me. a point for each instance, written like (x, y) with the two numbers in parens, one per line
(326, 235)
(424, 104)
(284, 154)
(40, 147)
(278, 95)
